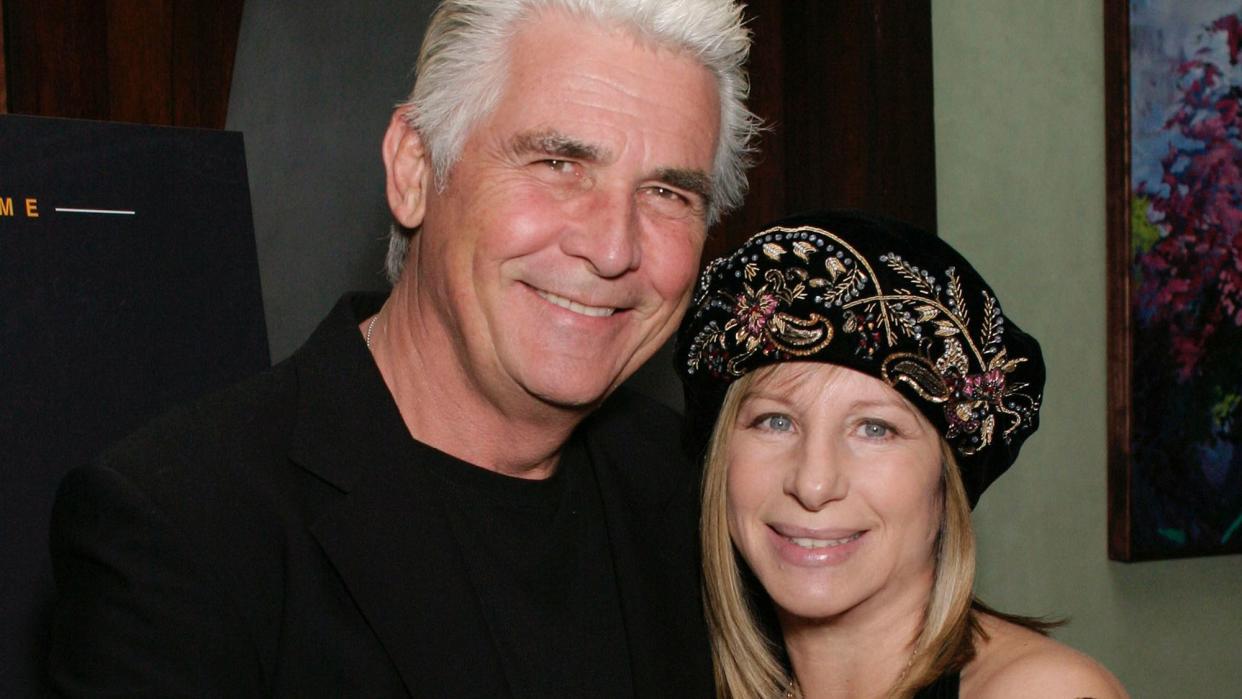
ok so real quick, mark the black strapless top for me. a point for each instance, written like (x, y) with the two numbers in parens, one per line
(945, 687)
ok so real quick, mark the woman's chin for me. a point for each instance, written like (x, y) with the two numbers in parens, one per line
(813, 607)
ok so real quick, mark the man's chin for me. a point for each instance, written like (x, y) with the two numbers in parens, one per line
(571, 401)
(570, 384)
(570, 396)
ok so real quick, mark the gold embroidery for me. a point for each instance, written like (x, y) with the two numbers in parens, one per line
(803, 250)
(931, 315)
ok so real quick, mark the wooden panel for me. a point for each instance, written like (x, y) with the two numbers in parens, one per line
(55, 53)
(903, 168)
(766, 199)
(846, 88)
(146, 61)
(202, 60)
(139, 61)
(828, 104)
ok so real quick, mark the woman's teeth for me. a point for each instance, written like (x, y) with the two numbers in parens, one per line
(807, 543)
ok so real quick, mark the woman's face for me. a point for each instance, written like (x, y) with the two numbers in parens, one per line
(833, 490)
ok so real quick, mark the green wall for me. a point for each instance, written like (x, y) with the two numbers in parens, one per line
(1020, 179)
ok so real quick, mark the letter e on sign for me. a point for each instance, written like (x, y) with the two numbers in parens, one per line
(32, 208)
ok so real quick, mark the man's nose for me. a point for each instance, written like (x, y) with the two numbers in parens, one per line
(817, 478)
(606, 234)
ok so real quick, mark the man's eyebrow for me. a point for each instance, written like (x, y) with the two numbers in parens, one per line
(693, 181)
(556, 144)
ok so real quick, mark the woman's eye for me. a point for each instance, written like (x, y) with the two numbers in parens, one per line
(776, 423)
(875, 430)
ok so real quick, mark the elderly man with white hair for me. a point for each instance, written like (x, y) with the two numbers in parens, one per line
(445, 492)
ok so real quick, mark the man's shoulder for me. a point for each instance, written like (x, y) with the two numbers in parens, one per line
(238, 423)
(631, 418)
(631, 403)
(636, 445)
(204, 487)
(243, 428)
(215, 470)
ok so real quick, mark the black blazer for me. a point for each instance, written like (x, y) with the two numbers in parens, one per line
(277, 539)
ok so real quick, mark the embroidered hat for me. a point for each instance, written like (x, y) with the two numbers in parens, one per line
(878, 296)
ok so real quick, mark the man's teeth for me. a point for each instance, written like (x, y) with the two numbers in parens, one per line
(823, 543)
(593, 311)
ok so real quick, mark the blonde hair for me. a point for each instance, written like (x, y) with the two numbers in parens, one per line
(747, 660)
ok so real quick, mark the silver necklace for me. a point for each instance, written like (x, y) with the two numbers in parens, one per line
(371, 327)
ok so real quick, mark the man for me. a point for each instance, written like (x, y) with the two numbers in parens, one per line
(440, 494)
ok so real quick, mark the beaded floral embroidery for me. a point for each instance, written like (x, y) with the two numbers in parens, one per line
(822, 276)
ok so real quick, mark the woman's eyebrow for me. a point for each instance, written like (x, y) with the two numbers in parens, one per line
(771, 396)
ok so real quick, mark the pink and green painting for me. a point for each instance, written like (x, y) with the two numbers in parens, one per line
(1185, 278)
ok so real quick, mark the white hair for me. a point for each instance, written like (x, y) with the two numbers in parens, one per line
(462, 66)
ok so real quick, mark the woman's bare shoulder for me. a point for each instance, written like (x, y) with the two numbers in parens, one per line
(1016, 662)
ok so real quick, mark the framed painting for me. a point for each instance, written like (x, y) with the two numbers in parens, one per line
(1173, 86)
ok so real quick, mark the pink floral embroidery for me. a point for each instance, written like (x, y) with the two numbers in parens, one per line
(754, 310)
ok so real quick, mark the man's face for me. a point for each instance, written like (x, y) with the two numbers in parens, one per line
(560, 255)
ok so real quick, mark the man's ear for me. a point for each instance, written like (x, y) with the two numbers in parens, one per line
(408, 170)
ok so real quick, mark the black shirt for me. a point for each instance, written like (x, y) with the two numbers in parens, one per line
(538, 555)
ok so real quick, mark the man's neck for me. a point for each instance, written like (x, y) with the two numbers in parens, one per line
(442, 406)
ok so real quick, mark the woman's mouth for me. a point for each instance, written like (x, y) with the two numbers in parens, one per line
(809, 547)
(809, 543)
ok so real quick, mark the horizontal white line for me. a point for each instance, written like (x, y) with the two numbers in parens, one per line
(95, 211)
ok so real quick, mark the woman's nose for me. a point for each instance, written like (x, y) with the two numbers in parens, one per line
(818, 478)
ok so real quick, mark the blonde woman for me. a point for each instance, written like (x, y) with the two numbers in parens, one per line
(854, 387)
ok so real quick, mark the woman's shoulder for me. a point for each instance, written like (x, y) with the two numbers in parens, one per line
(1015, 662)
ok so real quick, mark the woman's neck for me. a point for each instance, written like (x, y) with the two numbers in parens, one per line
(861, 653)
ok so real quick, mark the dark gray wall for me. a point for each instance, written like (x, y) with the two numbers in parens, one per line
(313, 87)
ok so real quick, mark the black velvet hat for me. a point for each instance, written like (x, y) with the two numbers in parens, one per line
(878, 296)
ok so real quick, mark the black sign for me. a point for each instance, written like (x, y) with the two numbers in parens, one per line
(128, 283)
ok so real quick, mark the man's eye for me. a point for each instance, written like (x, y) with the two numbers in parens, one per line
(565, 167)
(669, 194)
(671, 203)
(670, 198)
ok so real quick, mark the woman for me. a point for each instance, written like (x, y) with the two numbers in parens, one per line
(855, 387)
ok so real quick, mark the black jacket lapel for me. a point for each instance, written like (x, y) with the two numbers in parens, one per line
(386, 534)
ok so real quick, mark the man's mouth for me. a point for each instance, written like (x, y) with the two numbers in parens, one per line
(567, 304)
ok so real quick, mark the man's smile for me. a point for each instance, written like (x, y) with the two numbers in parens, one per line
(571, 305)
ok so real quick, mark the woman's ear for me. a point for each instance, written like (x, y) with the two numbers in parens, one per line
(408, 170)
